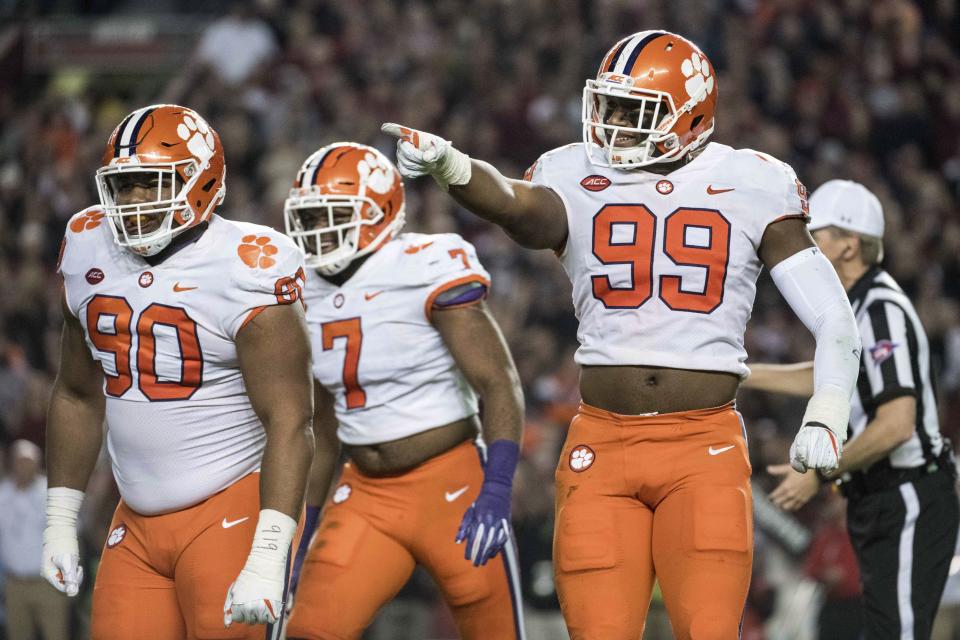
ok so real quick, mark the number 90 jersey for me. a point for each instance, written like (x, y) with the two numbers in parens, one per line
(180, 426)
(374, 347)
(664, 268)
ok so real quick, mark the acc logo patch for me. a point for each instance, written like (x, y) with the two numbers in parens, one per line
(581, 458)
(882, 351)
(595, 183)
(117, 536)
(342, 493)
(94, 276)
(664, 187)
(146, 279)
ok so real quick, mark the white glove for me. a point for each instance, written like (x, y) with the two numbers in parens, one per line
(420, 153)
(61, 551)
(819, 443)
(256, 596)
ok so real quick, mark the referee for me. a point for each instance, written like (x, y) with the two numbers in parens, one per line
(896, 471)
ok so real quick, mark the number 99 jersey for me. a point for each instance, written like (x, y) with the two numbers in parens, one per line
(180, 426)
(664, 267)
(375, 348)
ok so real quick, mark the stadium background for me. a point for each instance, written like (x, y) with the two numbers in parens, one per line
(859, 89)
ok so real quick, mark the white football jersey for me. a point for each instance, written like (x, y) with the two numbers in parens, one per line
(374, 347)
(180, 426)
(664, 268)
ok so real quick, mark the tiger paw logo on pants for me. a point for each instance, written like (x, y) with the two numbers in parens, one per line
(117, 536)
(581, 458)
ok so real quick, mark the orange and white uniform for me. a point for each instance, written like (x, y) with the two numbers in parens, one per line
(363, 333)
(664, 272)
(376, 351)
(183, 439)
(664, 268)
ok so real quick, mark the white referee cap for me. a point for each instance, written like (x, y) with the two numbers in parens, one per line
(846, 205)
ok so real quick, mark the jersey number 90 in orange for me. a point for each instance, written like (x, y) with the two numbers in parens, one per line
(638, 254)
(120, 342)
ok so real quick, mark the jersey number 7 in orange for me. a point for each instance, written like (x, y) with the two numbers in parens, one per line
(351, 331)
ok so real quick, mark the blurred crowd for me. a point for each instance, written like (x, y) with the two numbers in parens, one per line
(862, 89)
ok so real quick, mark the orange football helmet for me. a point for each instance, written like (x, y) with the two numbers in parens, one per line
(177, 147)
(671, 89)
(346, 202)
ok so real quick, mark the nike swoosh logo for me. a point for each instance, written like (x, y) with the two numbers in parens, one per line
(227, 524)
(714, 452)
(456, 494)
(711, 191)
(371, 296)
(177, 288)
(416, 248)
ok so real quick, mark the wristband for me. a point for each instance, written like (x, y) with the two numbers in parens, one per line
(453, 169)
(502, 458)
(272, 539)
(63, 507)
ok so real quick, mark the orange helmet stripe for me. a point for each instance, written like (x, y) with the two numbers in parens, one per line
(631, 60)
(128, 136)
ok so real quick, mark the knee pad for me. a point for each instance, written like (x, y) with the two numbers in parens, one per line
(340, 535)
(721, 520)
(466, 587)
(585, 539)
(710, 624)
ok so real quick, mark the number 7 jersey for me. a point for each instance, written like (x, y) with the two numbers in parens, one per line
(374, 346)
(664, 267)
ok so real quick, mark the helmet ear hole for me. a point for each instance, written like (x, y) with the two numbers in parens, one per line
(696, 121)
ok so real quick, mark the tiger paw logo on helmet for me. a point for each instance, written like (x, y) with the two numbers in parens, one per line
(699, 80)
(581, 458)
(376, 173)
(87, 220)
(198, 136)
(256, 251)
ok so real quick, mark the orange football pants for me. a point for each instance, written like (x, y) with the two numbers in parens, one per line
(166, 577)
(376, 530)
(643, 497)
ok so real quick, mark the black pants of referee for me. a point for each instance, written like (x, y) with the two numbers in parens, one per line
(904, 538)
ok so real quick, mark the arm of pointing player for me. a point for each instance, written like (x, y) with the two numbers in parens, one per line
(791, 379)
(74, 435)
(274, 354)
(533, 215)
(321, 473)
(811, 287)
(474, 339)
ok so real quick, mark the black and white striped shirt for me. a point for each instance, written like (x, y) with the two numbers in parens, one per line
(894, 362)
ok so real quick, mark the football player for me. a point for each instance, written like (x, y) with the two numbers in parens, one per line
(403, 343)
(185, 332)
(663, 236)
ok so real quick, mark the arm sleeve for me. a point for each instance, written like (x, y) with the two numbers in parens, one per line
(811, 287)
(885, 331)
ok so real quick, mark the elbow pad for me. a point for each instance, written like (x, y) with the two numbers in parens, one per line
(811, 287)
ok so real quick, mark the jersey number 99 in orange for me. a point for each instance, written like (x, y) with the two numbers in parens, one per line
(638, 253)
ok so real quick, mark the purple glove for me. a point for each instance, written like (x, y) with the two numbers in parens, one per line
(486, 524)
(310, 521)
